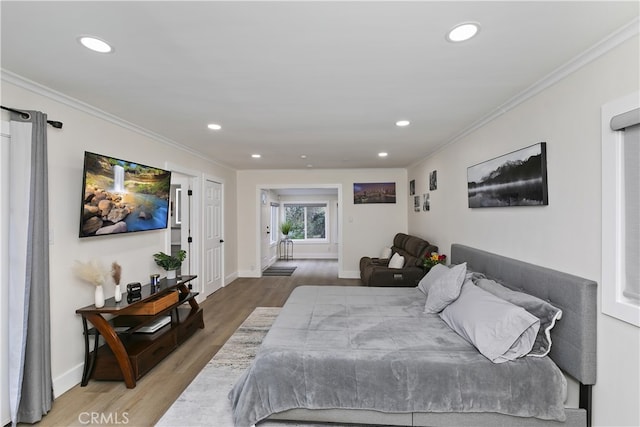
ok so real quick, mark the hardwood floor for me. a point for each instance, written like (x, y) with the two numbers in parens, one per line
(111, 403)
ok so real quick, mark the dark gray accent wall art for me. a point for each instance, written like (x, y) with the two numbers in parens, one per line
(515, 179)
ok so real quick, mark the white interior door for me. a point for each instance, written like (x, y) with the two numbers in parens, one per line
(213, 239)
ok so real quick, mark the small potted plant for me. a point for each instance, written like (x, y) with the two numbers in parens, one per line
(170, 263)
(285, 228)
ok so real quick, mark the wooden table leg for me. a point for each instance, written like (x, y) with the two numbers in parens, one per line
(113, 341)
(185, 290)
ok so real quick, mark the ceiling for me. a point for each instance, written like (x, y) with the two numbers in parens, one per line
(325, 80)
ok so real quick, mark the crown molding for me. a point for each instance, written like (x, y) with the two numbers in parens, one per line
(594, 52)
(39, 89)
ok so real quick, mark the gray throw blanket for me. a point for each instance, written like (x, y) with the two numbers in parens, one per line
(375, 349)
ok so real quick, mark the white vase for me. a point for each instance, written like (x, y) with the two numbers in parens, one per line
(171, 274)
(118, 295)
(99, 296)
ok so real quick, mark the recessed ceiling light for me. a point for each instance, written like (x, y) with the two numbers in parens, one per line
(402, 123)
(462, 32)
(95, 44)
(256, 156)
(383, 154)
(303, 156)
(214, 126)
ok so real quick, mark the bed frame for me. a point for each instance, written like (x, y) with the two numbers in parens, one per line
(573, 349)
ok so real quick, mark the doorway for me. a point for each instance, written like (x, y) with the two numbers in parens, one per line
(185, 220)
(274, 200)
(180, 217)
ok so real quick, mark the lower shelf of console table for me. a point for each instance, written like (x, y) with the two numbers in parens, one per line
(123, 348)
(147, 350)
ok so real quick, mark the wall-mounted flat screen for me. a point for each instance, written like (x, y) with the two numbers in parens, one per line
(120, 196)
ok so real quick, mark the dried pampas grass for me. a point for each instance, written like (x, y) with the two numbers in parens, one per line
(92, 272)
(116, 272)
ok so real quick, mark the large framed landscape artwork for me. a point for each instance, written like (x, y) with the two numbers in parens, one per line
(515, 179)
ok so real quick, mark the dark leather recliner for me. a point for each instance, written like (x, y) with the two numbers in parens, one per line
(375, 271)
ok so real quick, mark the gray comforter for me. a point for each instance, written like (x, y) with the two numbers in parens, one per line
(374, 348)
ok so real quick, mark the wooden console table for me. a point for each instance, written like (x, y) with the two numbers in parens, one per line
(128, 354)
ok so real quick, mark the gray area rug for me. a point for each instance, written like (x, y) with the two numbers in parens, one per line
(205, 401)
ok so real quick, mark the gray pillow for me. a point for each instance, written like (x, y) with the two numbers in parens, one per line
(546, 312)
(500, 330)
(445, 289)
(432, 275)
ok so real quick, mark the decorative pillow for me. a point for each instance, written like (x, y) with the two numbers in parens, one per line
(396, 261)
(386, 253)
(547, 313)
(501, 331)
(434, 273)
(445, 289)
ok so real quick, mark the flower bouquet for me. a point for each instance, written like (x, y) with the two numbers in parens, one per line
(433, 259)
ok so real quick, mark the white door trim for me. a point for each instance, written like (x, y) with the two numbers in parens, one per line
(264, 186)
(195, 183)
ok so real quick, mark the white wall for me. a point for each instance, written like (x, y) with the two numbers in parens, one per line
(82, 132)
(364, 229)
(566, 235)
(5, 415)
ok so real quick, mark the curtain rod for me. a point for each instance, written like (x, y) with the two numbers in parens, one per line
(25, 115)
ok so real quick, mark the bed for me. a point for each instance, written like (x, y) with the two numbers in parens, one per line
(373, 356)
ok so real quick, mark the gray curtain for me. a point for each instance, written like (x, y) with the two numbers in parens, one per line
(35, 395)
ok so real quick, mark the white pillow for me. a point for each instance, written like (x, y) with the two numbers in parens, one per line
(546, 312)
(500, 330)
(396, 261)
(434, 274)
(445, 289)
(386, 253)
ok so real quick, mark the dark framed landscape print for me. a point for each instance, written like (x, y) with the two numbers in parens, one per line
(374, 192)
(515, 179)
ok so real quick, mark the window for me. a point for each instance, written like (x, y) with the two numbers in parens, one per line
(274, 233)
(308, 220)
(621, 209)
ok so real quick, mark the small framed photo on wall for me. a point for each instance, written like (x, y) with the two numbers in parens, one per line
(433, 181)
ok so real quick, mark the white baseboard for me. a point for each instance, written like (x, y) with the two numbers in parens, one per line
(346, 274)
(68, 380)
(249, 273)
(315, 255)
(230, 278)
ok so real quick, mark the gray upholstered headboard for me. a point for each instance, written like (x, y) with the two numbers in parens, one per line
(574, 335)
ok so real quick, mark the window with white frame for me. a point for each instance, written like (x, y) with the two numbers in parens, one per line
(308, 220)
(621, 209)
(275, 208)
